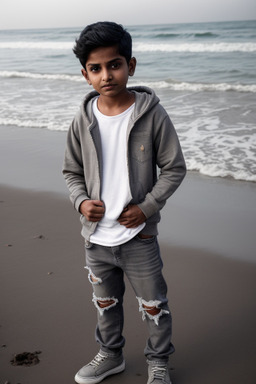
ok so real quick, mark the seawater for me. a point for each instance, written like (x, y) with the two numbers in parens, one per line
(203, 73)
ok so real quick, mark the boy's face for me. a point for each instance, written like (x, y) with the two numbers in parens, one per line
(107, 71)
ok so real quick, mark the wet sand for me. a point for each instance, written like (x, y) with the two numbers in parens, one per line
(46, 296)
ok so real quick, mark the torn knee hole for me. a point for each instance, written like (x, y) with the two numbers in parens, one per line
(151, 310)
(92, 278)
(105, 303)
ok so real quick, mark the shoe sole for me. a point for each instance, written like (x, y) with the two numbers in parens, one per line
(82, 380)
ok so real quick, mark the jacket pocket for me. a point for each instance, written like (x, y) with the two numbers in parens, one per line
(141, 148)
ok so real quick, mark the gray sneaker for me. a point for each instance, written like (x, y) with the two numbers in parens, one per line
(158, 373)
(103, 365)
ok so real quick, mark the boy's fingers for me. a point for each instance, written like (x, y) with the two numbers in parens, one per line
(132, 217)
(93, 210)
(98, 203)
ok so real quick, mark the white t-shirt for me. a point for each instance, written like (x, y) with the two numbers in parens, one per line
(115, 192)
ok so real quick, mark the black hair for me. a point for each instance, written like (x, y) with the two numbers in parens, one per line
(103, 34)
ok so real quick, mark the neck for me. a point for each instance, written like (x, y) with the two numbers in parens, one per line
(111, 106)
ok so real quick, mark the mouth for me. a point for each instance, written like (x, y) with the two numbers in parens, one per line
(108, 86)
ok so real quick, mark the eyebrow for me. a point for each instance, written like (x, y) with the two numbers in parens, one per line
(109, 62)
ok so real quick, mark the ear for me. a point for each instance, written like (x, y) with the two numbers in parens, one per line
(85, 75)
(132, 66)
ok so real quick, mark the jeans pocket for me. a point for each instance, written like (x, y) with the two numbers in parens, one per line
(145, 240)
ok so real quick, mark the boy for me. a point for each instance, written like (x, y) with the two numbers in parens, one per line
(114, 146)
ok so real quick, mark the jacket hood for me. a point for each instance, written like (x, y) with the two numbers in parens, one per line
(145, 100)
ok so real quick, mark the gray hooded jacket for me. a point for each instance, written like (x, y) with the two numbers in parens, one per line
(152, 143)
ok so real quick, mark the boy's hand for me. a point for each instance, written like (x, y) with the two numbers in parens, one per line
(93, 210)
(132, 216)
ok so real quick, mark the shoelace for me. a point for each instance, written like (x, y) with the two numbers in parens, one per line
(98, 359)
(158, 372)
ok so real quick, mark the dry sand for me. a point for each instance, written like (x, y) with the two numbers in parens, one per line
(206, 232)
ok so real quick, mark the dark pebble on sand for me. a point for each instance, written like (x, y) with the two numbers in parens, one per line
(26, 359)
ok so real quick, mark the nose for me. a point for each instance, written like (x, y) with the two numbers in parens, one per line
(106, 74)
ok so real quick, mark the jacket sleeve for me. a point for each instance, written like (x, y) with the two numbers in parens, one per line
(171, 163)
(73, 171)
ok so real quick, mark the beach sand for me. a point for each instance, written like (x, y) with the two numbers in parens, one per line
(207, 239)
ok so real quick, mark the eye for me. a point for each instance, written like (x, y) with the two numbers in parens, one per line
(94, 68)
(116, 65)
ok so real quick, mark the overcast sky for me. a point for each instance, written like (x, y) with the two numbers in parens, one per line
(77, 13)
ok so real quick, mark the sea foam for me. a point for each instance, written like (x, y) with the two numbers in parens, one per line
(170, 84)
(141, 46)
(195, 47)
(64, 45)
(40, 76)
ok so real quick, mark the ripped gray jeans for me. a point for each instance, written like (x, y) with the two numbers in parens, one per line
(140, 260)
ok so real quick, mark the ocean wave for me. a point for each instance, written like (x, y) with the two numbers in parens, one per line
(199, 87)
(196, 47)
(170, 35)
(166, 35)
(218, 171)
(142, 46)
(40, 76)
(34, 124)
(192, 162)
(56, 45)
(205, 34)
(171, 84)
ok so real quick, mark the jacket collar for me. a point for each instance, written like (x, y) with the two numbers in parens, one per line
(145, 99)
